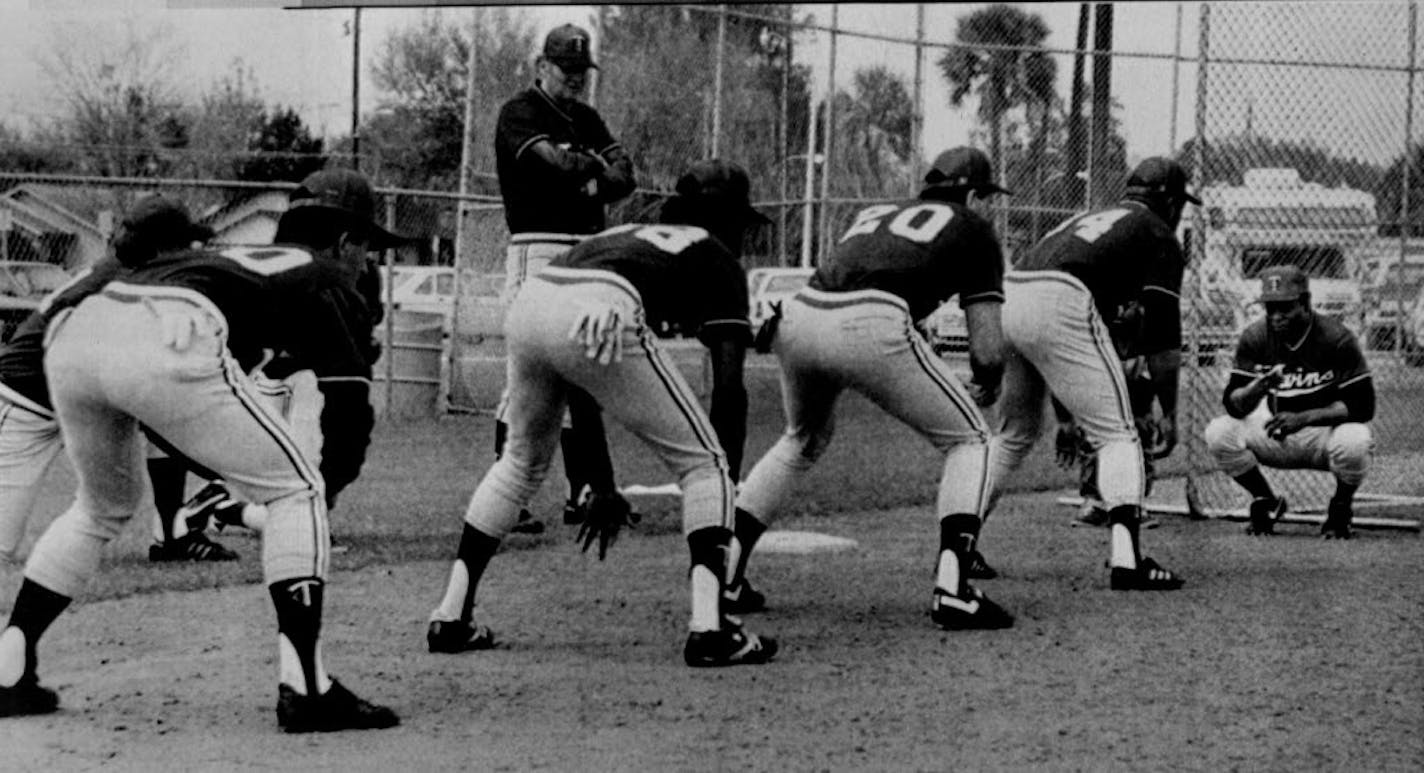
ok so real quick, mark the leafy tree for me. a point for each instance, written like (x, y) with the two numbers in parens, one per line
(285, 149)
(120, 97)
(875, 124)
(20, 154)
(418, 132)
(1001, 79)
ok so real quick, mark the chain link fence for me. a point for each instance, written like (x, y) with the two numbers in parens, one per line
(1310, 159)
(1300, 140)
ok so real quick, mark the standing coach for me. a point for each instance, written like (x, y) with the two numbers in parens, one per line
(558, 165)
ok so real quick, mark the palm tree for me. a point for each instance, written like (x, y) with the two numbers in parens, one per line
(1003, 78)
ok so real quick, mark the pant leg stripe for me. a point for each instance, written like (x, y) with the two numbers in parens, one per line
(1110, 360)
(235, 382)
(969, 411)
(687, 405)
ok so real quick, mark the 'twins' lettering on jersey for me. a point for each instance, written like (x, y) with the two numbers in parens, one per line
(921, 251)
(686, 278)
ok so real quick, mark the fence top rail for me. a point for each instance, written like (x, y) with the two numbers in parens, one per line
(190, 182)
(1116, 53)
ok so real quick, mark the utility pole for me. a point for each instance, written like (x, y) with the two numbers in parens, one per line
(1102, 101)
(356, 89)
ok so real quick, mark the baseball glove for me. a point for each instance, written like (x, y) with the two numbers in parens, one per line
(604, 515)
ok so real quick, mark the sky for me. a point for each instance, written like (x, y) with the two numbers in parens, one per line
(302, 58)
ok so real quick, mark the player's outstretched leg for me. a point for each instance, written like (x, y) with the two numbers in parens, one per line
(957, 605)
(1130, 569)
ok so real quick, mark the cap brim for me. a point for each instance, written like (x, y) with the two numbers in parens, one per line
(753, 217)
(1192, 199)
(201, 233)
(992, 188)
(377, 238)
(575, 66)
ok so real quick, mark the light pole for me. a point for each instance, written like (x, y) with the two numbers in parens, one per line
(812, 160)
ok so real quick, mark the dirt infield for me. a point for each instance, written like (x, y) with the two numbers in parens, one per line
(1283, 654)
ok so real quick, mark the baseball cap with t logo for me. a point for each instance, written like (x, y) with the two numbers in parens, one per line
(568, 47)
(1283, 283)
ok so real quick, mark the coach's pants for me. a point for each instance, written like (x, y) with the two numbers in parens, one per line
(1057, 341)
(109, 369)
(865, 341)
(644, 392)
(1239, 445)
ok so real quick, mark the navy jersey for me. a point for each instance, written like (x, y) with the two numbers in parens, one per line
(1324, 366)
(278, 299)
(22, 357)
(537, 198)
(1129, 258)
(686, 278)
(922, 251)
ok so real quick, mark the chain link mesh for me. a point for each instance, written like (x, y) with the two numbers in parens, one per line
(1306, 156)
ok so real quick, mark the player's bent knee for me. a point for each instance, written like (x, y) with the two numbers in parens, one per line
(1223, 432)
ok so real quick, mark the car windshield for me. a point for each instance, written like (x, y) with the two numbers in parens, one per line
(1318, 262)
(786, 283)
(35, 279)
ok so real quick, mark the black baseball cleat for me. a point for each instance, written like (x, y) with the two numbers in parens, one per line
(741, 598)
(968, 612)
(730, 646)
(452, 637)
(1265, 512)
(199, 509)
(336, 709)
(27, 698)
(1338, 517)
(193, 546)
(1149, 575)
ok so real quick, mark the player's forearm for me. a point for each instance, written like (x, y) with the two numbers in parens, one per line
(616, 180)
(728, 414)
(1327, 416)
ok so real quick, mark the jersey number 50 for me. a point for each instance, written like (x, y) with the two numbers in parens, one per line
(920, 223)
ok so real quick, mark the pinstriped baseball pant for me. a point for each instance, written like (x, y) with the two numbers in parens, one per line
(29, 443)
(1057, 341)
(644, 392)
(109, 369)
(865, 341)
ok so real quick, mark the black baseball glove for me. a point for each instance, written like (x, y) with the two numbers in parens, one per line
(604, 515)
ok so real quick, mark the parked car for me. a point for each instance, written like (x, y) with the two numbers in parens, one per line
(1387, 300)
(766, 286)
(23, 285)
(947, 329)
(423, 288)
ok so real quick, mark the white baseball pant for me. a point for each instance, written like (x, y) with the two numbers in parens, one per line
(158, 356)
(1239, 445)
(866, 341)
(644, 391)
(29, 444)
(1056, 340)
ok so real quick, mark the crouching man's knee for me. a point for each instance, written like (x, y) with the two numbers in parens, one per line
(1351, 447)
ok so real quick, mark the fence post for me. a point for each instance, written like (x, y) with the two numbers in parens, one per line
(717, 80)
(828, 134)
(1404, 220)
(389, 290)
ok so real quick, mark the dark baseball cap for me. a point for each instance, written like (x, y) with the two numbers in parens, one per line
(163, 221)
(569, 47)
(346, 192)
(724, 182)
(964, 167)
(1160, 176)
(1283, 283)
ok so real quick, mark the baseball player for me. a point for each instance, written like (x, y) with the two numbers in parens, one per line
(854, 327)
(587, 321)
(558, 166)
(168, 344)
(30, 434)
(1299, 396)
(1119, 263)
